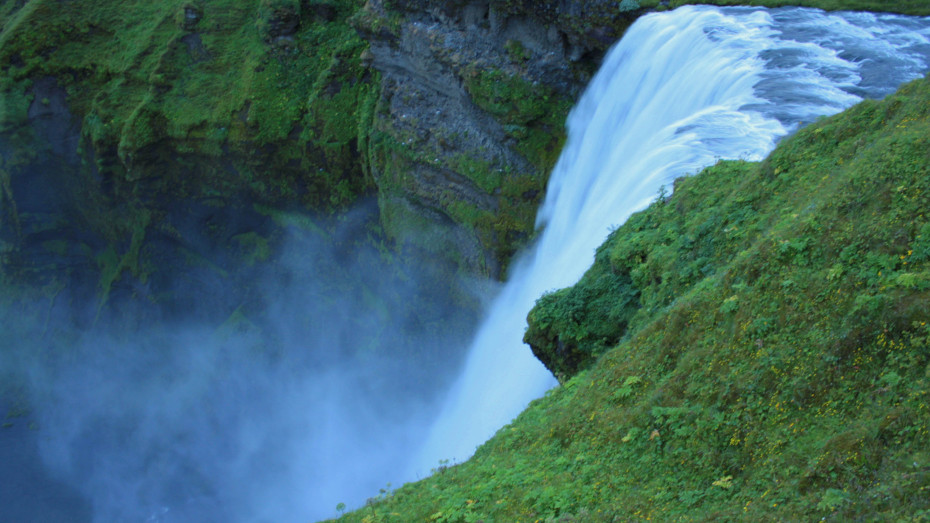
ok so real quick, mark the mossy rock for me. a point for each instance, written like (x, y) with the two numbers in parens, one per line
(569, 328)
(774, 365)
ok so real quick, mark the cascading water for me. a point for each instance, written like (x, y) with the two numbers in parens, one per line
(680, 91)
(186, 422)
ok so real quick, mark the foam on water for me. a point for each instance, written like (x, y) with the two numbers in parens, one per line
(682, 90)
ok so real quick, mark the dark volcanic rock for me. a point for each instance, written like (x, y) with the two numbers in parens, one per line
(448, 133)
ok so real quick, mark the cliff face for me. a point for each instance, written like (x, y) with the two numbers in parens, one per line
(136, 136)
(128, 129)
(470, 117)
(140, 141)
(753, 347)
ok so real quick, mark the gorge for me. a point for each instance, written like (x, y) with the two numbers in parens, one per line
(751, 75)
(198, 347)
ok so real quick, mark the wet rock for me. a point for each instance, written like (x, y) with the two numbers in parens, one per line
(456, 158)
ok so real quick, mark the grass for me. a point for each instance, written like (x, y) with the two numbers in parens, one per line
(221, 83)
(753, 347)
(771, 362)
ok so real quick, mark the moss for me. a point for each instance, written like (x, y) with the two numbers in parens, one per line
(510, 98)
(14, 105)
(205, 87)
(772, 364)
(374, 19)
(502, 222)
(568, 329)
(178, 104)
(516, 51)
(420, 231)
(533, 117)
(531, 113)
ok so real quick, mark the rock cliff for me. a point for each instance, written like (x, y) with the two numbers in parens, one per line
(470, 116)
(139, 141)
(133, 135)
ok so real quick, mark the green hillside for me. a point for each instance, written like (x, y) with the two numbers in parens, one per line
(754, 347)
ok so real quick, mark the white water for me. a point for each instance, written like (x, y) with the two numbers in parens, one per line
(680, 91)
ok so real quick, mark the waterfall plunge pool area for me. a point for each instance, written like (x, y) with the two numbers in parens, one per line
(682, 90)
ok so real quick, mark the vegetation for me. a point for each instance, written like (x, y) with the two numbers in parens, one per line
(154, 131)
(774, 366)
(202, 77)
(753, 347)
(533, 116)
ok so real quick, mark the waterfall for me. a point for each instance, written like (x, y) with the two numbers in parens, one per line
(682, 90)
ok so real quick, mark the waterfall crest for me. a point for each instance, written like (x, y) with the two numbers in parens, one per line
(682, 90)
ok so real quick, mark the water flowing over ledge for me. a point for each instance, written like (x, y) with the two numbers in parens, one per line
(682, 90)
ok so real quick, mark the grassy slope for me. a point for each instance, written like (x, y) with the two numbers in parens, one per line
(805, 360)
(777, 368)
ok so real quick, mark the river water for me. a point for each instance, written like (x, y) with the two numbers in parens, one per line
(680, 91)
(188, 428)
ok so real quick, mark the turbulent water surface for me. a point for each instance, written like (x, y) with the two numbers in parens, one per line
(680, 91)
(178, 424)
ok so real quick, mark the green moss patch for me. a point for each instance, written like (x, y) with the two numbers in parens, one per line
(215, 79)
(776, 363)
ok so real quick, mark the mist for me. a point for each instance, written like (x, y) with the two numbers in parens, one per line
(311, 393)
